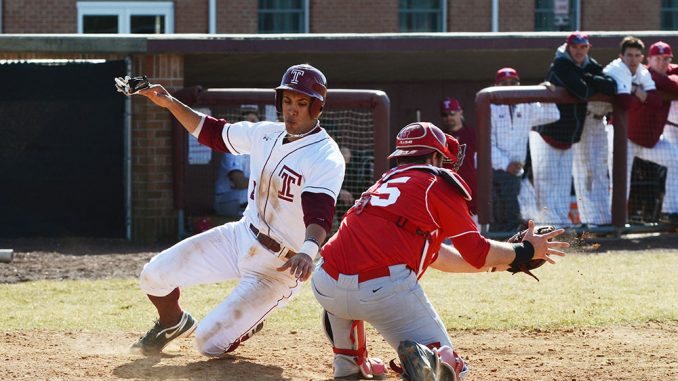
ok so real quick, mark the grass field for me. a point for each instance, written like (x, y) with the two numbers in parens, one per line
(580, 291)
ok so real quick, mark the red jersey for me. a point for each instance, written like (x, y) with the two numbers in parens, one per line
(646, 123)
(370, 236)
(467, 171)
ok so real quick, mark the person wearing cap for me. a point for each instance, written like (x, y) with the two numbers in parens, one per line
(551, 144)
(370, 268)
(651, 130)
(296, 172)
(230, 186)
(510, 130)
(453, 124)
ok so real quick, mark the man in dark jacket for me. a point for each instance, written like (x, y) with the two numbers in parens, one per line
(550, 144)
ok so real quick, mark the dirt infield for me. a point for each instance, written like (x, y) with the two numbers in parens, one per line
(638, 352)
(620, 353)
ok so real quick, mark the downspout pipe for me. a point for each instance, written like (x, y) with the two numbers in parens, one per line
(495, 15)
(212, 15)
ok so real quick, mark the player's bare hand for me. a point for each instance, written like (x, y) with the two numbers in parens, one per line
(549, 86)
(158, 95)
(301, 266)
(543, 248)
(346, 197)
(514, 168)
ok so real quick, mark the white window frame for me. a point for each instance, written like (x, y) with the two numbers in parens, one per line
(125, 10)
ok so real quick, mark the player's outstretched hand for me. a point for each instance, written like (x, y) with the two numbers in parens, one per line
(158, 95)
(543, 244)
(301, 266)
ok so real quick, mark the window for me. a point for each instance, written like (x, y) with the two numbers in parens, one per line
(669, 15)
(555, 15)
(283, 16)
(422, 15)
(125, 17)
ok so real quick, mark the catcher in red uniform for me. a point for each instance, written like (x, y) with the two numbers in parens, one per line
(371, 267)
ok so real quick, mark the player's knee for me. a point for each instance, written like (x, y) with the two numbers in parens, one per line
(151, 281)
(208, 344)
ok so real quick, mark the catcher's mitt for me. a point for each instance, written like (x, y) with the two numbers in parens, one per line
(535, 263)
(130, 85)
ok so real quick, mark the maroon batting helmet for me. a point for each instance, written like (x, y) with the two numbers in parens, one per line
(307, 80)
(419, 139)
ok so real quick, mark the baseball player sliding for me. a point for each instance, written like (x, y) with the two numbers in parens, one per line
(296, 172)
(370, 268)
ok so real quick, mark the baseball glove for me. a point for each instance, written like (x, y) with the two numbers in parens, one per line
(419, 363)
(130, 85)
(535, 263)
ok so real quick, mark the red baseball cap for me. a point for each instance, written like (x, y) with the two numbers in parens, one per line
(578, 38)
(660, 48)
(449, 105)
(504, 73)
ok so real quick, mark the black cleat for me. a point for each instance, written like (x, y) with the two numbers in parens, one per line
(157, 338)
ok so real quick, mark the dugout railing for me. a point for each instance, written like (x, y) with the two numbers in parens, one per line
(358, 120)
(526, 94)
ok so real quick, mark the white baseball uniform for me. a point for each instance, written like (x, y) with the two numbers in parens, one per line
(590, 168)
(671, 128)
(227, 198)
(280, 172)
(509, 139)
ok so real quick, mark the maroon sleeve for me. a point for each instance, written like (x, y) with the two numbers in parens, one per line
(211, 134)
(653, 100)
(673, 69)
(665, 83)
(318, 209)
(627, 101)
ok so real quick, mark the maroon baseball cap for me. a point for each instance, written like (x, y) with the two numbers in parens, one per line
(660, 48)
(449, 105)
(505, 73)
(578, 38)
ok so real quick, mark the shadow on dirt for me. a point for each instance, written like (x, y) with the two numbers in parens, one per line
(229, 368)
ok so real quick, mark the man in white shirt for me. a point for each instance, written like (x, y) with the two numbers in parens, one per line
(511, 126)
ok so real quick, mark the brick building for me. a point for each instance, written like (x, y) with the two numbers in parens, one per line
(415, 70)
(330, 16)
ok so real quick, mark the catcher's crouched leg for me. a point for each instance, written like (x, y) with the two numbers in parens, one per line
(350, 350)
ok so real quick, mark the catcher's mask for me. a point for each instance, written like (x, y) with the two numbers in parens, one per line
(457, 152)
(307, 80)
(419, 139)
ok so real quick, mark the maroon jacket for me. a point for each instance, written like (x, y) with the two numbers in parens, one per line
(647, 120)
(467, 135)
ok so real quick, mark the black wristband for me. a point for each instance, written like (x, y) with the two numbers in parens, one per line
(524, 253)
(314, 240)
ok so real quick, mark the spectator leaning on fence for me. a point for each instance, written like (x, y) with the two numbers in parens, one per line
(510, 130)
(647, 113)
(550, 144)
(453, 124)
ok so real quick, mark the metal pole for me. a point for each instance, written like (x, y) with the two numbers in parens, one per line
(127, 157)
(495, 15)
(577, 10)
(212, 16)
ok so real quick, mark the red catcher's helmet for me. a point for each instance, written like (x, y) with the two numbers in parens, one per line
(419, 139)
(307, 80)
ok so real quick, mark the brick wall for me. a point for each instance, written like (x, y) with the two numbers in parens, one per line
(191, 16)
(354, 16)
(516, 15)
(610, 15)
(153, 214)
(467, 16)
(39, 16)
(235, 16)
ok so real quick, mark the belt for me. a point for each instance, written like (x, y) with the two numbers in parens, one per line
(272, 244)
(594, 116)
(362, 277)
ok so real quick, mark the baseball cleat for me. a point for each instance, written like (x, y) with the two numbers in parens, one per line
(157, 338)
